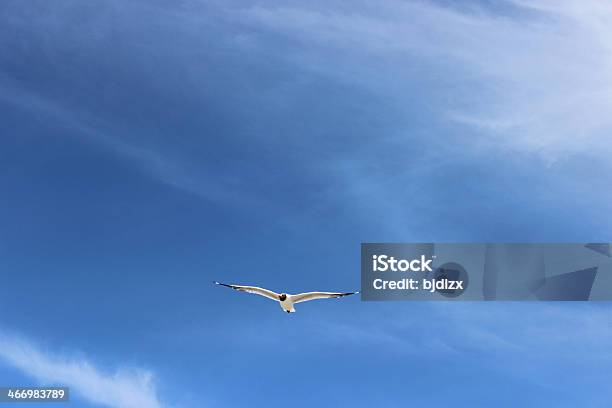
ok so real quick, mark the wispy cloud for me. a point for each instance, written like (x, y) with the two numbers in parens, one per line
(83, 125)
(535, 73)
(461, 328)
(437, 96)
(125, 388)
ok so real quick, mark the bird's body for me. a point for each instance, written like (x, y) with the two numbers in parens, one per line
(285, 300)
(287, 305)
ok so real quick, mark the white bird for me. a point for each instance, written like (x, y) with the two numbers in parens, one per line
(286, 300)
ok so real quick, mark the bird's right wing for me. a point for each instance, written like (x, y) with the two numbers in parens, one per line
(252, 289)
(305, 297)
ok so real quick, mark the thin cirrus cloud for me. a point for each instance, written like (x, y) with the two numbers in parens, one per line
(531, 77)
(81, 124)
(536, 77)
(525, 84)
(126, 388)
(539, 339)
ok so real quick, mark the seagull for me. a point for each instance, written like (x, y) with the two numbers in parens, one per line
(286, 300)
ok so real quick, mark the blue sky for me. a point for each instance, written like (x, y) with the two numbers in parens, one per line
(152, 147)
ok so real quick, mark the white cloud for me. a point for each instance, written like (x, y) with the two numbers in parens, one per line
(537, 77)
(447, 82)
(125, 388)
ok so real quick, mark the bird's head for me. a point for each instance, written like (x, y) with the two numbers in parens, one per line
(282, 297)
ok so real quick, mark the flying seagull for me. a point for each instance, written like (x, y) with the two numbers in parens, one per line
(286, 300)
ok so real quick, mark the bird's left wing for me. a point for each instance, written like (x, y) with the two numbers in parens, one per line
(252, 289)
(304, 297)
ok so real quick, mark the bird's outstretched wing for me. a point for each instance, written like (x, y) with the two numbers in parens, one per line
(252, 289)
(304, 297)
